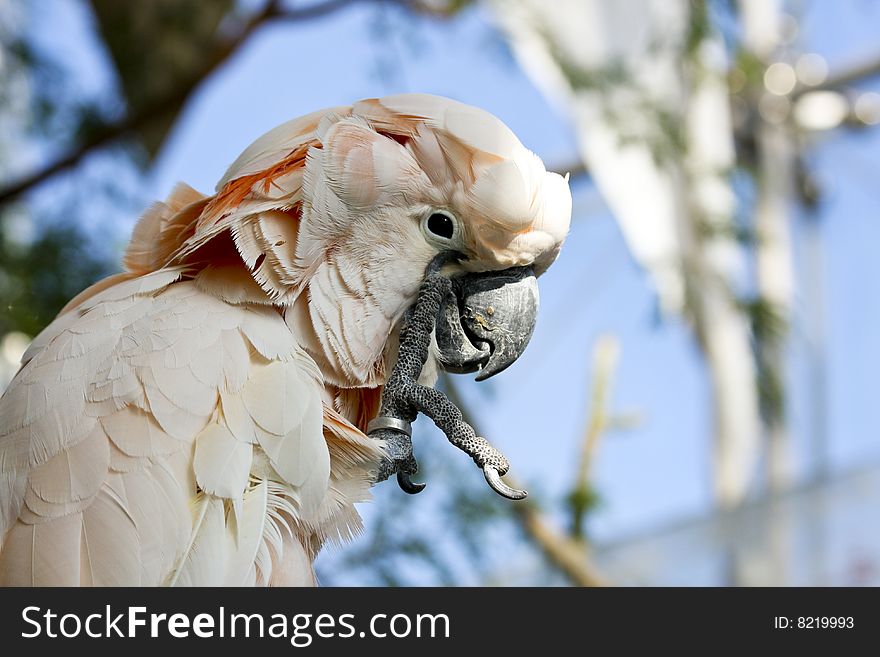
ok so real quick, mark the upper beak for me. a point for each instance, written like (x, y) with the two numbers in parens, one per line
(487, 321)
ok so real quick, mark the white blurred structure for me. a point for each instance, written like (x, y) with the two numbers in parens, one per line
(763, 31)
(649, 102)
(816, 536)
(12, 347)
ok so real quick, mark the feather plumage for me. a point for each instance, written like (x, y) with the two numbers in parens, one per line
(99, 455)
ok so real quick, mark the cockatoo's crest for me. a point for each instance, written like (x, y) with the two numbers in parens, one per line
(457, 155)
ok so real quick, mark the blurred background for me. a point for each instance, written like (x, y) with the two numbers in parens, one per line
(696, 405)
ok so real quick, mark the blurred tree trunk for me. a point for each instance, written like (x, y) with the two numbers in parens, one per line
(644, 82)
(775, 176)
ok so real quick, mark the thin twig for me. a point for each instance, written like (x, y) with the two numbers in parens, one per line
(605, 356)
(567, 555)
(860, 73)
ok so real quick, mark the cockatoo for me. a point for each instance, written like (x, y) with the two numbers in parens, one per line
(201, 418)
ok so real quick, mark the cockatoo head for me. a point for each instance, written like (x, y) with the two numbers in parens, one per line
(446, 175)
(379, 189)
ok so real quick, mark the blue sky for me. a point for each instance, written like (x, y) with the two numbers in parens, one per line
(535, 411)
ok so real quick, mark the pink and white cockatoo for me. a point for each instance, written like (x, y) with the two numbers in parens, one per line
(201, 418)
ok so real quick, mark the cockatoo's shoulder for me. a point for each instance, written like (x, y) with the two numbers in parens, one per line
(148, 397)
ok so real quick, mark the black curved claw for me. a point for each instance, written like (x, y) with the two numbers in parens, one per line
(399, 460)
(408, 485)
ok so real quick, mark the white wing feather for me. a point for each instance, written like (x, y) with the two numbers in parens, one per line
(250, 521)
(129, 436)
(222, 463)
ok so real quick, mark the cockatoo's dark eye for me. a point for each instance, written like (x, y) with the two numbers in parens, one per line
(441, 225)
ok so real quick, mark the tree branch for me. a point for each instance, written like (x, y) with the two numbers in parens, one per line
(149, 112)
(324, 8)
(317, 10)
(568, 556)
(860, 73)
(143, 115)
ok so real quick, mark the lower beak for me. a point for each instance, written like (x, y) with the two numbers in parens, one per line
(487, 321)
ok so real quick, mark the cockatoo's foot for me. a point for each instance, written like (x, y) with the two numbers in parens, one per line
(399, 458)
(403, 397)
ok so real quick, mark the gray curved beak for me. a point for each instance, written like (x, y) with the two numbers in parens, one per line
(487, 321)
